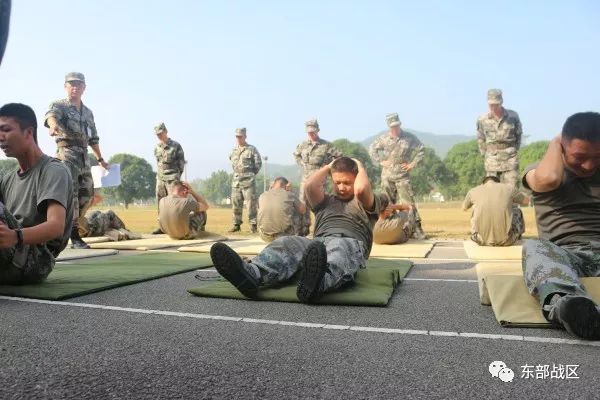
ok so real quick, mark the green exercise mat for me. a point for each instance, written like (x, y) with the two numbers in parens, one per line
(80, 278)
(373, 286)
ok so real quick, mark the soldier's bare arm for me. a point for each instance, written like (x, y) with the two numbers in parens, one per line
(98, 154)
(313, 188)
(549, 173)
(53, 227)
(362, 188)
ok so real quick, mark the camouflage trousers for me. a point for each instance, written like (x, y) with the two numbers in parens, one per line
(400, 192)
(549, 268)
(99, 223)
(511, 177)
(238, 196)
(30, 264)
(280, 260)
(76, 160)
(517, 228)
(197, 222)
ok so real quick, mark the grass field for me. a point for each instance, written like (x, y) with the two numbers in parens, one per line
(440, 220)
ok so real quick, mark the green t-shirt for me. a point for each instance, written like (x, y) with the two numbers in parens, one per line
(390, 230)
(174, 215)
(276, 209)
(26, 196)
(569, 214)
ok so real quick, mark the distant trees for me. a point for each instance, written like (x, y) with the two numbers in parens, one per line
(7, 165)
(430, 174)
(358, 151)
(138, 180)
(215, 188)
(466, 164)
(532, 153)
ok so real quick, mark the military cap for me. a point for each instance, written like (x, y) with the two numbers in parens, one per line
(240, 132)
(392, 119)
(160, 128)
(494, 96)
(312, 125)
(74, 76)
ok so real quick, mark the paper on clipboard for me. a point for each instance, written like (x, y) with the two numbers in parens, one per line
(106, 177)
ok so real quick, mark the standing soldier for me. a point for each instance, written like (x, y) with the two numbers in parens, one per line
(499, 134)
(170, 162)
(398, 152)
(312, 154)
(72, 125)
(246, 162)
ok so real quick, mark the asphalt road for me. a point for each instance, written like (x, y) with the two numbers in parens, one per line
(153, 340)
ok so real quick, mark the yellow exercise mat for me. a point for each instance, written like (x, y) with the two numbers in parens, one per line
(514, 306)
(157, 242)
(477, 252)
(95, 239)
(76, 254)
(486, 269)
(246, 247)
(410, 249)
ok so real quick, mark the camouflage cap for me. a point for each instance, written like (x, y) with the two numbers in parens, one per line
(494, 96)
(312, 125)
(392, 120)
(74, 76)
(240, 132)
(160, 128)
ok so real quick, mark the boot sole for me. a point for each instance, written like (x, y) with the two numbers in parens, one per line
(314, 265)
(580, 318)
(231, 267)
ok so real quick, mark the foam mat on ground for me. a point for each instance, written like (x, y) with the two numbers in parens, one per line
(76, 254)
(494, 268)
(373, 286)
(156, 242)
(477, 252)
(89, 276)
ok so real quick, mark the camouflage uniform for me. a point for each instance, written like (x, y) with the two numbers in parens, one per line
(107, 223)
(246, 162)
(170, 161)
(499, 141)
(395, 181)
(77, 132)
(312, 156)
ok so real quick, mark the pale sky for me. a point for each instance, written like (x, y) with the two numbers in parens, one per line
(207, 67)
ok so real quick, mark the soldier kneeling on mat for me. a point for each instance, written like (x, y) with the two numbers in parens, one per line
(329, 262)
(497, 219)
(182, 214)
(566, 195)
(36, 203)
(279, 211)
(395, 225)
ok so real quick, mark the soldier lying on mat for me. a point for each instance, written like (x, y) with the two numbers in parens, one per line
(182, 214)
(395, 225)
(107, 223)
(36, 203)
(342, 243)
(566, 194)
(496, 220)
(279, 211)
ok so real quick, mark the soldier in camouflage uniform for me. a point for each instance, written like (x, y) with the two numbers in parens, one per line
(246, 162)
(72, 125)
(566, 194)
(311, 155)
(398, 152)
(107, 223)
(499, 134)
(170, 161)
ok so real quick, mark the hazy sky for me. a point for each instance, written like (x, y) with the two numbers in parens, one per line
(207, 67)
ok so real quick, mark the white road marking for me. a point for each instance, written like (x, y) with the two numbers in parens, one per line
(373, 329)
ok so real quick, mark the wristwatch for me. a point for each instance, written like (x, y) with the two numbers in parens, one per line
(100, 159)
(19, 233)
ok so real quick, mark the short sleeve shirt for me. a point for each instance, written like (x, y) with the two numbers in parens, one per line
(275, 210)
(174, 215)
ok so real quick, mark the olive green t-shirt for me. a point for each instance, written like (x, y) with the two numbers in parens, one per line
(569, 214)
(275, 210)
(492, 210)
(390, 230)
(174, 215)
(26, 196)
(347, 219)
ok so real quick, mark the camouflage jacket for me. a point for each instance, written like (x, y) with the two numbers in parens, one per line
(77, 127)
(312, 156)
(499, 140)
(245, 161)
(403, 149)
(170, 160)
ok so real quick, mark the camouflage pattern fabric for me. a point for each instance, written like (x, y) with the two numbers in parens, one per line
(170, 160)
(246, 162)
(400, 192)
(516, 229)
(404, 149)
(99, 223)
(311, 157)
(499, 141)
(511, 177)
(549, 268)
(77, 130)
(30, 264)
(197, 222)
(281, 259)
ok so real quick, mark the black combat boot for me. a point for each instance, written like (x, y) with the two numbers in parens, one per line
(76, 240)
(253, 228)
(418, 232)
(231, 267)
(314, 265)
(234, 228)
(577, 314)
(157, 231)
